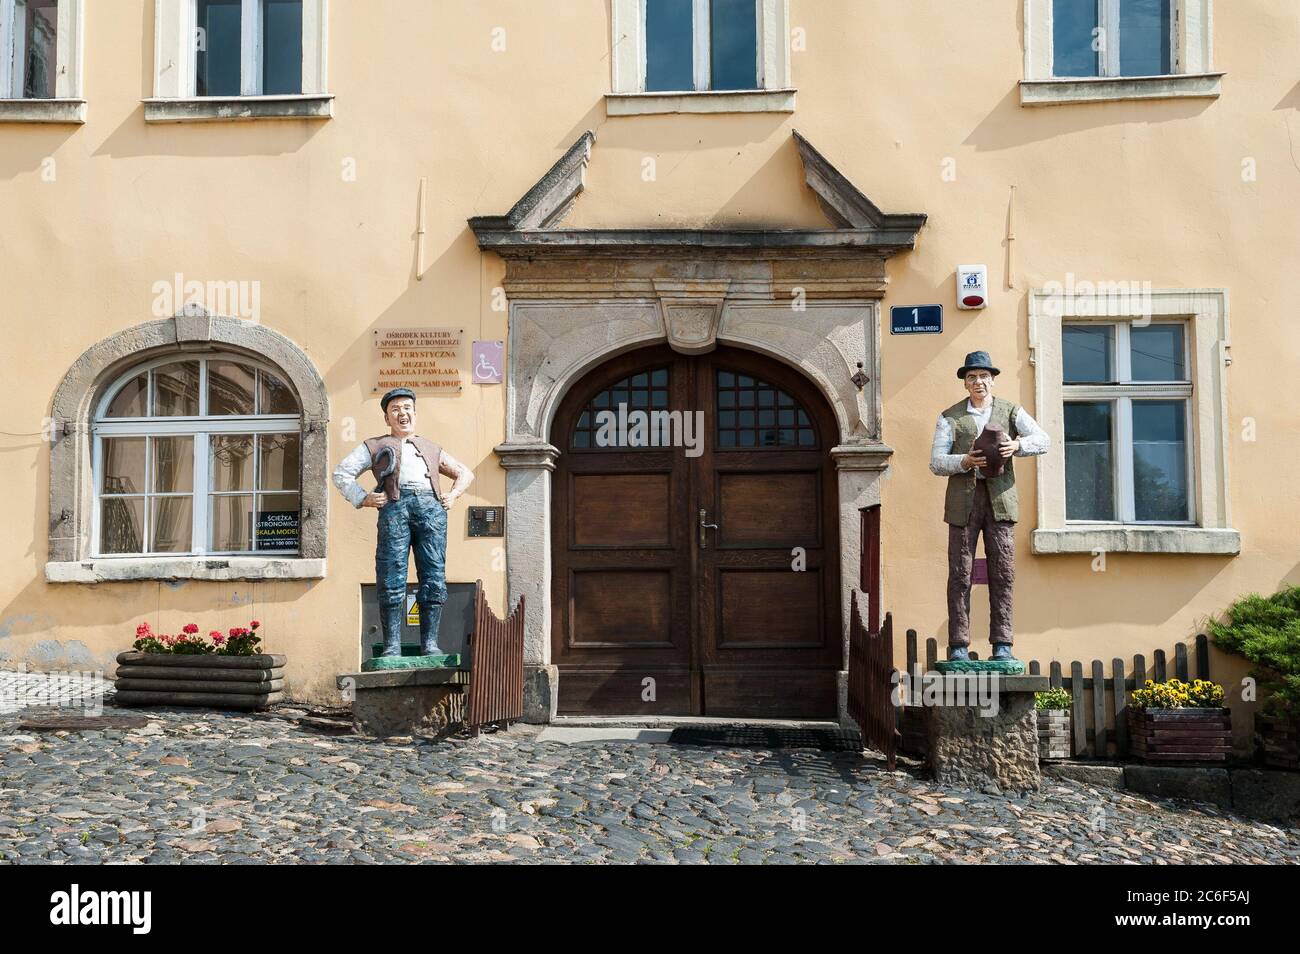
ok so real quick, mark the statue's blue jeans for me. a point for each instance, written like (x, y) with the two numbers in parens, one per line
(415, 521)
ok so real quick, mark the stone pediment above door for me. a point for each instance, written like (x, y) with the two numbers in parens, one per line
(808, 296)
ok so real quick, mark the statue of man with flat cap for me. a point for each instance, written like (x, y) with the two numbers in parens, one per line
(412, 514)
(974, 441)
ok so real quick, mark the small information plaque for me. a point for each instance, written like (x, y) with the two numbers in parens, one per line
(916, 320)
(422, 359)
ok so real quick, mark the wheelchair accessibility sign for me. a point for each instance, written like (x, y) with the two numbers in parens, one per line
(487, 357)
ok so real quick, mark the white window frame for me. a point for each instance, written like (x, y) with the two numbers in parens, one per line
(1121, 395)
(628, 95)
(1205, 313)
(1191, 58)
(68, 104)
(175, 56)
(201, 428)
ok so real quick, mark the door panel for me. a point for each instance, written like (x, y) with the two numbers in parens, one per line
(768, 609)
(655, 614)
(622, 510)
(623, 608)
(765, 510)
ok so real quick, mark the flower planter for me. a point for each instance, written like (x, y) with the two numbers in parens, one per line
(1278, 741)
(219, 682)
(1180, 735)
(1053, 733)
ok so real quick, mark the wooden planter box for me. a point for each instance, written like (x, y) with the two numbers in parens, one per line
(1278, 741)
(1180, 735)
(1053, 733)
(218, 682)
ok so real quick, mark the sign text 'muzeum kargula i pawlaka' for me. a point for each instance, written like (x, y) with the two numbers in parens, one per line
(422, 359)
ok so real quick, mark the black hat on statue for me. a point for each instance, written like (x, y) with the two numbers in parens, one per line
(977, 361)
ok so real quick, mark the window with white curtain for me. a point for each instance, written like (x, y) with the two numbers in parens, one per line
(198, 455)
(29, 49)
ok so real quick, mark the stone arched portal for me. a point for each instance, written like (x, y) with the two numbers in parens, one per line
(579, 297)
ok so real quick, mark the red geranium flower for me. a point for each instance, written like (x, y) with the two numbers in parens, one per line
(256, 623)
(191, 628)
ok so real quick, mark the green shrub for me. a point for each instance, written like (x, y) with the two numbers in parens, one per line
(1052, 699)
(1266, 631)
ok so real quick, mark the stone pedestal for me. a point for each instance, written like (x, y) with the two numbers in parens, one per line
(982, 730)
(404, 701)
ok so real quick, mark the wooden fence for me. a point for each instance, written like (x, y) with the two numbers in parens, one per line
(1099, 699)
(871, 683)
(496, 679)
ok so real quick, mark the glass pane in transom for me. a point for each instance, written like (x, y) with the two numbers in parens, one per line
(1157, 353)
(274, 396)
(132, 399)
(176, 389)
(230, 388)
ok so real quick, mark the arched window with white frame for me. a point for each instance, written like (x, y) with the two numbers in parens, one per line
(198, 455)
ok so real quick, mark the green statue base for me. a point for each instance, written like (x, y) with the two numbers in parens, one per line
(438, 661)
(1005, 667)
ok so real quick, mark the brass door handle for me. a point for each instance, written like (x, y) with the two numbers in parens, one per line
(704, 543)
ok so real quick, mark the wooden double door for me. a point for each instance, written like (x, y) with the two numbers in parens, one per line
(694, 540)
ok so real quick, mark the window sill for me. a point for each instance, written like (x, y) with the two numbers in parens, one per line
(202, 109)
(1062, 91)
(738, 101)
(42, 111)
(184, 568)
(1133, 539)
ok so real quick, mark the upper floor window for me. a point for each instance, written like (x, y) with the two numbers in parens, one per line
(247, 47)
(40, 61)
(269, 53)
(701, 45)
(198, 456)
(28, 51)
(704, 56)
(1112, 37)
(1083, 51)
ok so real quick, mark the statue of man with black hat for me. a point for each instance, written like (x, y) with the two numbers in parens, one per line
(412, 515)
(974, 442)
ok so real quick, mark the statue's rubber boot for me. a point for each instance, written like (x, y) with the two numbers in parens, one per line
(1002, 651)
(390, 621)
(430, 617)
(958, 652)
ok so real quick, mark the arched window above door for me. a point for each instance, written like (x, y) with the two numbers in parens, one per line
(755, 414)
(646, 390)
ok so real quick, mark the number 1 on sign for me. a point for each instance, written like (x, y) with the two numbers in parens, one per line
(916, 316)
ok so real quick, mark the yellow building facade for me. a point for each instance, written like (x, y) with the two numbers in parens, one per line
(751, 200)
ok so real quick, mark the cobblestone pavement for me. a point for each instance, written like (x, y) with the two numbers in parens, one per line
(215, 787)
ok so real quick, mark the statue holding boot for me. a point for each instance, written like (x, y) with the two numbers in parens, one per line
(975, 441)
(412, 516)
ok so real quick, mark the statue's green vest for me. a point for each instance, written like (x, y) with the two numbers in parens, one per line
(961, 487)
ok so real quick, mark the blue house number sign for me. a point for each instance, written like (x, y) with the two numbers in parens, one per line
(916, 320)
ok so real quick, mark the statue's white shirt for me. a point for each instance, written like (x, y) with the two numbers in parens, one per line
(415, 472)
(1033, 440)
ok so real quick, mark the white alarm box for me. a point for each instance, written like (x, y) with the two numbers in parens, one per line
(972, 286)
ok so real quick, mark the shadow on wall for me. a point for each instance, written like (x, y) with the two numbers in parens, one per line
(1009, 125)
